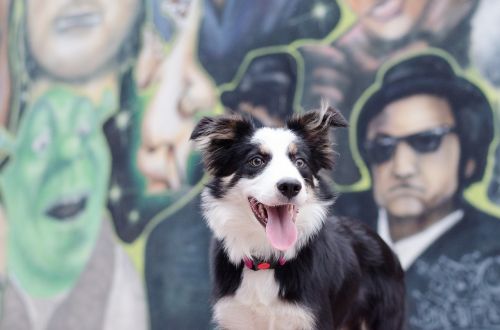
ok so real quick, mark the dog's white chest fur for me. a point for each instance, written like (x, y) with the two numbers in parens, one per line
(256, 305)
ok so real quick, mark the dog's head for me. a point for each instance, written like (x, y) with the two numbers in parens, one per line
(266, 194)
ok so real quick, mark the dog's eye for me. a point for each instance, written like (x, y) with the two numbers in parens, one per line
(256, 162)
(300, 163)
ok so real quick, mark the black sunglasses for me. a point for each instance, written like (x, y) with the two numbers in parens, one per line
(381, 148)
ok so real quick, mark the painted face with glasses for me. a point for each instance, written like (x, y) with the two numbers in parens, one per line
(382, 148)
(413, 153)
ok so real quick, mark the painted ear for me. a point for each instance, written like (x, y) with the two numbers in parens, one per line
(314, 126)
(216, 138)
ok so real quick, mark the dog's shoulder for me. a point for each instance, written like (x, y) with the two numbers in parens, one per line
(369, 248)
(324, 263)
(226, 275)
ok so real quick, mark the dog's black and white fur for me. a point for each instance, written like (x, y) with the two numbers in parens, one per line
(267, 201)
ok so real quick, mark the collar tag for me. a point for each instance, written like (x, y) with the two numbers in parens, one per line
(258, 264)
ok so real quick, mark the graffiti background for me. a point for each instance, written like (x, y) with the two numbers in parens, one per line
(100, 226)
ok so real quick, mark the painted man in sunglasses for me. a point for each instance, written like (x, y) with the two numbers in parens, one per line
(424, 135)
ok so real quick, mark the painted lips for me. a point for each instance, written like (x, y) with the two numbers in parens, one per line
(388, 9)
(84, 20)
(67, 208)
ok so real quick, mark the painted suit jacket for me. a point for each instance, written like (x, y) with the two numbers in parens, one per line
(108, 295)
(455, 283)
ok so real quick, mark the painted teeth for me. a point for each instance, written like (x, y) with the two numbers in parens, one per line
(80, 20)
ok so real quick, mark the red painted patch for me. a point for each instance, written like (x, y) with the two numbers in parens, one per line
(263, 265)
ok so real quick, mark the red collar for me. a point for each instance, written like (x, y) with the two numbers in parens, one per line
(259, 264)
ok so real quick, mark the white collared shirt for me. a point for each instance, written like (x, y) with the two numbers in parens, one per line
(408, 249)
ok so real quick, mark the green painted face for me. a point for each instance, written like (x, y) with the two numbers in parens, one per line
(54, 189)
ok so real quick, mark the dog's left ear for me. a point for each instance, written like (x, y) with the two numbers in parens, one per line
(314, 127)
(216, 138)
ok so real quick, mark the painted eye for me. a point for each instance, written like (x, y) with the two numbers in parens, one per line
(41, 142)
(300, 163)
(84, 129)
(256, 162)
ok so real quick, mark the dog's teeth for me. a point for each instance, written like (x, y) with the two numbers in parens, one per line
(261, 211)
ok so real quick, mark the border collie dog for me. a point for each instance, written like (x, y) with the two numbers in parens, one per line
(278, 261)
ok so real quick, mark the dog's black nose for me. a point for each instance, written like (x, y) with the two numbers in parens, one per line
(289, 187)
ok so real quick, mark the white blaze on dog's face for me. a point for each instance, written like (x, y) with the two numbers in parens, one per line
(277, 190)
(266, 196)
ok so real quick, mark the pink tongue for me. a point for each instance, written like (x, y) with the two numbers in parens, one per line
(280, 229)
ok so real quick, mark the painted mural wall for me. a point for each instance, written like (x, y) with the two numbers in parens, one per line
(100, 225)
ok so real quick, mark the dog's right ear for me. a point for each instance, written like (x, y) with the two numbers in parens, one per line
(216, 138)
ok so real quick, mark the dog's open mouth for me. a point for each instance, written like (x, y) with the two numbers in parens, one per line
(279, 222)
